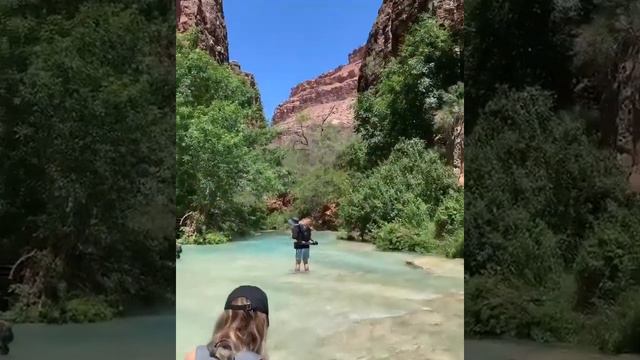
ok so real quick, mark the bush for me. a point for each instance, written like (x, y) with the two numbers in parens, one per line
(617, 329)
(399, 237)
(496, 306)
(87, 140)
(449, 217)
(317, 188)
(546, 203)
(277, 221)
(412, 176)
(209, 238)
(454, 247)
(89, 309)
(609, 262)
(354, 157)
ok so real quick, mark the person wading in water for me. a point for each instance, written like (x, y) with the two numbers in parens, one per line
(301, 234)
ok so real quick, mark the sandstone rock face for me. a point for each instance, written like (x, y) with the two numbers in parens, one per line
(208, 16)
(450, 13)
(332, 94)
(394, 20)
(279, 203)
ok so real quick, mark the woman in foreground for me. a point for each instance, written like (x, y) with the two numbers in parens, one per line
(241, 330)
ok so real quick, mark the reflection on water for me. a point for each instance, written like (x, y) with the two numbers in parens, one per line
(143, 337)
(352, 293)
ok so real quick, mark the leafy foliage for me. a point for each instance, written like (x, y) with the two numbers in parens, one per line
(208, 238)
(315, 178)
(396, 202)
(87, 132)
(224, 168)
(519, 44)
(544, 200)
(403, 104)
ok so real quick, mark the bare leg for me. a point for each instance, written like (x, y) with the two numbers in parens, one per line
(305, 259)
(297, 265)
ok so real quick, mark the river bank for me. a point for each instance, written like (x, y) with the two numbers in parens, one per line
(439, 265)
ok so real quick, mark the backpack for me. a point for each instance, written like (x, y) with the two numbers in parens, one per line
(306, 232)
(297, 232)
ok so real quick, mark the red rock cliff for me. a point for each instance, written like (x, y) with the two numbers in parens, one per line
(208, 16)
(332, 93)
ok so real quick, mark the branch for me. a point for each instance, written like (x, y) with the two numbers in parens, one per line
(185, 216)
(325, 120)
(302, 135)
(25, 257)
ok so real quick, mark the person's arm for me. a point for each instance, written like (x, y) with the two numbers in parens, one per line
(191, 355)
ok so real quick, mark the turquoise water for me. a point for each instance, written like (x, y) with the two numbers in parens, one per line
(143, 337)
(351, 289)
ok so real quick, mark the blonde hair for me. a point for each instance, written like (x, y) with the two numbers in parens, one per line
(237, 331)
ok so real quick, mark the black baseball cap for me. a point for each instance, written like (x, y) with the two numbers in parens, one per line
(257, 300)
(293, 221)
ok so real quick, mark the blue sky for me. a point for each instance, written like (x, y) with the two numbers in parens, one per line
(284, 42)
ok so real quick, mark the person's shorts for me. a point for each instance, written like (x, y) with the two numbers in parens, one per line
(302, 254)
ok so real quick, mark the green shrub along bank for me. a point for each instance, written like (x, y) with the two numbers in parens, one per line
(205, 238)
(410, 202)
(403, 193)
(552, 251)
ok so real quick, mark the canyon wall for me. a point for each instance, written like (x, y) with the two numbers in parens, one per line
(208, 17)
(331, 96)
(395, 19)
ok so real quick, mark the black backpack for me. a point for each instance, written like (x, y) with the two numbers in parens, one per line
(297, 232)
(306, 233)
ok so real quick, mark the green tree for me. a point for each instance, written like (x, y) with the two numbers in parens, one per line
(224, 168)
(402, 106)
(87, 133)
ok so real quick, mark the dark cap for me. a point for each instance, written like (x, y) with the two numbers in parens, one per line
(257, 300)
(293, 221)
